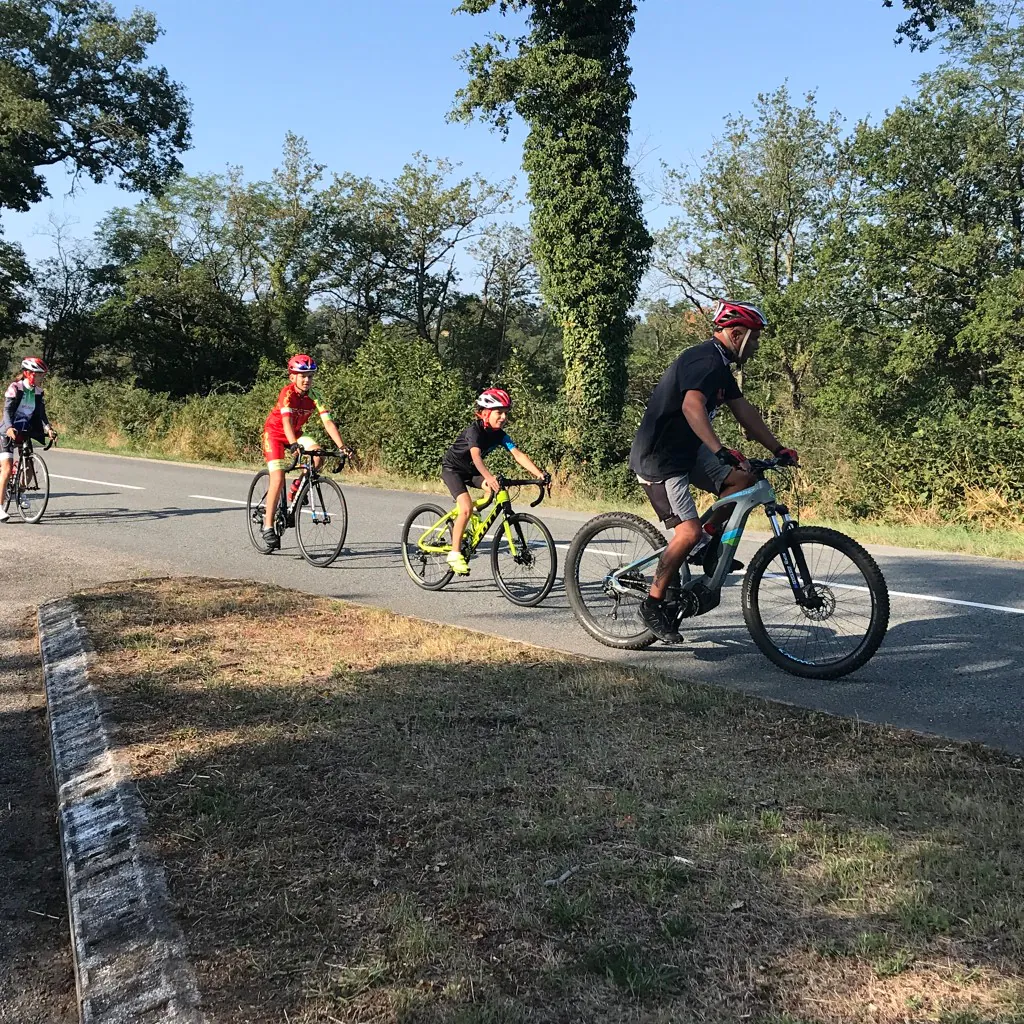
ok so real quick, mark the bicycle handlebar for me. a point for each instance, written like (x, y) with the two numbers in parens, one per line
(760, 465)
(342, 455)
(544, 485)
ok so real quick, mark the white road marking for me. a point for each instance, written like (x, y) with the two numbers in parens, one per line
(101, 483)
(210, 497)
(918, 597)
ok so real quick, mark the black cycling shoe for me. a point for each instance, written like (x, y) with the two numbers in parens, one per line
(659, 620)
(271, 541)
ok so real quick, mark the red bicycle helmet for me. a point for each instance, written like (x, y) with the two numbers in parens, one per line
(33, 364)
(301, 364)
(494, 398)
(738, 314)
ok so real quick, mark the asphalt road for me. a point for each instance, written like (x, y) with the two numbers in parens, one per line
(947, 665)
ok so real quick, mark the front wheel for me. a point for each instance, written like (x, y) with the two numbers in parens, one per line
(524, 560)
(425, 546)
(321, 522)
(834, 619)
(607, 606)
(30, 489)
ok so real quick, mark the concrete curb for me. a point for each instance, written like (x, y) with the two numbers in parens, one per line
(130, 962)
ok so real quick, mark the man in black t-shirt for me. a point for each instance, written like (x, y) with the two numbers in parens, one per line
(676, 446)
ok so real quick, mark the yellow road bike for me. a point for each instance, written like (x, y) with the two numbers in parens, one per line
(523, 556)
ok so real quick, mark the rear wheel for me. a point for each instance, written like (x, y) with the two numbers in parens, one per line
(610, 610)
(30, 489)
(842, 613)
(255, 510)
(427, 569)
(321, 522)
(527, 574)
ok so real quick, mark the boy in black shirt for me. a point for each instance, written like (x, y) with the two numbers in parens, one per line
(463, 463)
(676, 445)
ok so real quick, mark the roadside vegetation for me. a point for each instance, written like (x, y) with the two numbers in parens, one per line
(887, 255)
(451, 827)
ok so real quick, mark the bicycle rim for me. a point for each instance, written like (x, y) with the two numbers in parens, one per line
(321, 522)
(526, 575)
(604, 545)
(850, 605)
(428, 570)
(32, 489)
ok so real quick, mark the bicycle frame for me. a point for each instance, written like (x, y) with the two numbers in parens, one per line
(310, 473)
(745, 501)
(502, 504)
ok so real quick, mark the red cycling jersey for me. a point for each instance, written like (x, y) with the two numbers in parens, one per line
(298, 408)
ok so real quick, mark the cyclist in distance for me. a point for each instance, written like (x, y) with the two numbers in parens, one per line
(24, 415)
(676, 446)
(463, 464)
(296, 403)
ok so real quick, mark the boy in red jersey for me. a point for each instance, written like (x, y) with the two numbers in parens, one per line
(295, 405)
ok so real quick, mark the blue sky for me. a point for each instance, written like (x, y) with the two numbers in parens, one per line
(369, 84)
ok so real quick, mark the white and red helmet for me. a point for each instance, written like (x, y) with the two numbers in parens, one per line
(494, 398)
(33, 364)
(738, 314)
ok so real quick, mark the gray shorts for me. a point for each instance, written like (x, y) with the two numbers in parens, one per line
(671, 498)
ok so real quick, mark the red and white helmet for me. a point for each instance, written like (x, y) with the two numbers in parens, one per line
(738, 314)
(494, 398)
(301, 364)
(33, 364)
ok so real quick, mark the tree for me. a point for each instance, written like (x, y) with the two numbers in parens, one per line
(569, 79)
(287, 233)
(944, 196)
(178, 314)
(67, 290)
(15, 277)
(927, 17)
(753, 224)
(75, 90)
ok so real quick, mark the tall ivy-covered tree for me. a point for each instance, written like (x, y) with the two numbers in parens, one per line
(75, 89)
(568, 78)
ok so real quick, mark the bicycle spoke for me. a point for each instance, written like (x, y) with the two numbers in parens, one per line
(610, 549)
(428, 569)
(835, 626)
(321, 522)
(524, 567)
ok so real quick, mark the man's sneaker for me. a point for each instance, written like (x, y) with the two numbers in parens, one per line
(271, 541)
(659, 620)
(457, 563)
(3, 515)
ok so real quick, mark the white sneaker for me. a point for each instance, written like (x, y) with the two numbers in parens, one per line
(3, 515)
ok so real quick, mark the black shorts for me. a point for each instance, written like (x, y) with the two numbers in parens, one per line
(671, 499)
(458, 483)
(9, 447)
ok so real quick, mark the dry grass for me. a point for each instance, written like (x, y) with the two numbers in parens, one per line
(370, 818)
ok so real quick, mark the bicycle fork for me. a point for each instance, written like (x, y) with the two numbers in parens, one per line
(793, 560)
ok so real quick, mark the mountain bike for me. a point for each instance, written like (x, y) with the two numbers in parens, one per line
(316, 507)
(814, 601)
(28, 488)
(523, 556)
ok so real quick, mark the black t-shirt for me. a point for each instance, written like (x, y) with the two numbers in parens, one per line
(476, 435)
(665, 445)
